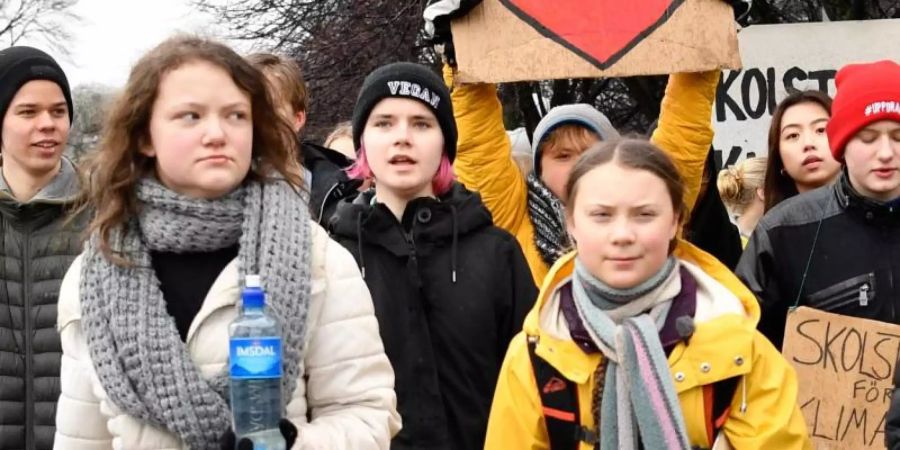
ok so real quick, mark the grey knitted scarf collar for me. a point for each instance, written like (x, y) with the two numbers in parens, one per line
(639, 407)
(548, 217)
(136, 350)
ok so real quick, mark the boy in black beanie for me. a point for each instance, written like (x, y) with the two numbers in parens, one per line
(36, 107)
(37, 245)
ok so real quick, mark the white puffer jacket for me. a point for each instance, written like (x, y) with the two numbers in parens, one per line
(348, 391)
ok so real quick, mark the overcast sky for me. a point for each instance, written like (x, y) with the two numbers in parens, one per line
(113, 34)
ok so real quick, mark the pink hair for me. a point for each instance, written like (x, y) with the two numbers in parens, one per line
(440, 183)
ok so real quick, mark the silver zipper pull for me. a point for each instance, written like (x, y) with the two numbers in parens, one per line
(864, 295)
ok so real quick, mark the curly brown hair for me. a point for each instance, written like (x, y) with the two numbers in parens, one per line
(112, 170)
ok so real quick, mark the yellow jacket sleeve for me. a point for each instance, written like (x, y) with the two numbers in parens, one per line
(685, 130)
(773, 418)
(517, 419)
(484, 161)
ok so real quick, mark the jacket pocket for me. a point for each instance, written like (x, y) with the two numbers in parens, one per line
(857, 291)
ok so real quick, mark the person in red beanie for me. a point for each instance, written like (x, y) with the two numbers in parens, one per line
(837, 248)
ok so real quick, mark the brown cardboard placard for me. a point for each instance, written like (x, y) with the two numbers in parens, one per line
(845, 366)
(514, 40)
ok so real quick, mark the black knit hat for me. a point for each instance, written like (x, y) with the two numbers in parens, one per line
(19, 65)
(406, 80)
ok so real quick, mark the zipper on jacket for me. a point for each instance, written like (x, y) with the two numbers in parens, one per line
(835, 305)
(860, 290)
(413, 264)
(29, 364)
(864, 295)
(412, 248)
(893, 304)
(890, 272)
(412, 244)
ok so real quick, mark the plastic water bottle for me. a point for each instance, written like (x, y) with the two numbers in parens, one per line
(255, 367)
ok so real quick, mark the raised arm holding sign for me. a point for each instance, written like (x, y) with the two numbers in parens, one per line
(530, 209)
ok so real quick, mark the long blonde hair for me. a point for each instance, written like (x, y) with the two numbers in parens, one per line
(738, 184)
(112, 171)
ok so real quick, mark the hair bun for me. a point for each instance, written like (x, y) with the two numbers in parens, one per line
(729, 184)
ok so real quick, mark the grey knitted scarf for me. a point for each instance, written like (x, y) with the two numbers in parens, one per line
(548, 216)
(639, 407)
(138, 355)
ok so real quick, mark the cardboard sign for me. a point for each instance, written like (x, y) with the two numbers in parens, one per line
(780, 59)
(514, 40)
(845, 367)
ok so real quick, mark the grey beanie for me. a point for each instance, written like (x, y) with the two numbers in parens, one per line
(578, 114)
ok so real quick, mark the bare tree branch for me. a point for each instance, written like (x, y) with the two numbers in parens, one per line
(45, 20)
(91, 103)
(338, 42)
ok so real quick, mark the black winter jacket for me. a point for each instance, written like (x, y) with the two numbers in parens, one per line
(709, 227)
(450, 292)
(329, 184)
(846, 246)
(37, 246)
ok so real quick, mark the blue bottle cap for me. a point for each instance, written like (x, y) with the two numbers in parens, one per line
(253, 295)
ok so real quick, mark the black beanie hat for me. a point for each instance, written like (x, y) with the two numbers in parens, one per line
(19, 65)
(406, 80)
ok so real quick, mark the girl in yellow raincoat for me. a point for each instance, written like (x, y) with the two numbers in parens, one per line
(642, 328)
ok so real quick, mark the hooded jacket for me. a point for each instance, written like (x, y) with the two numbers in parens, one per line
(830, 249)
(484, 163)
(763, 414)
(37, 243)
(329, 183)
(450, 292)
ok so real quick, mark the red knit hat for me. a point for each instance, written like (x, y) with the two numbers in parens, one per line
(866, 93)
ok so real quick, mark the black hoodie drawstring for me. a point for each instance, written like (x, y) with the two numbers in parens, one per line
(454, 245)
(359, 245)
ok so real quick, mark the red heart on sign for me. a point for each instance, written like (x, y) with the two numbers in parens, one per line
(600, 31)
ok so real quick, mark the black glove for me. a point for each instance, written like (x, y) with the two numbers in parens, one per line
(443, 40)
(288, 432)
(445, 11)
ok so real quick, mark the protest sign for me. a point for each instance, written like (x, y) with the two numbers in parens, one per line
(513, 40)
(780, 59)
(845, 367)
